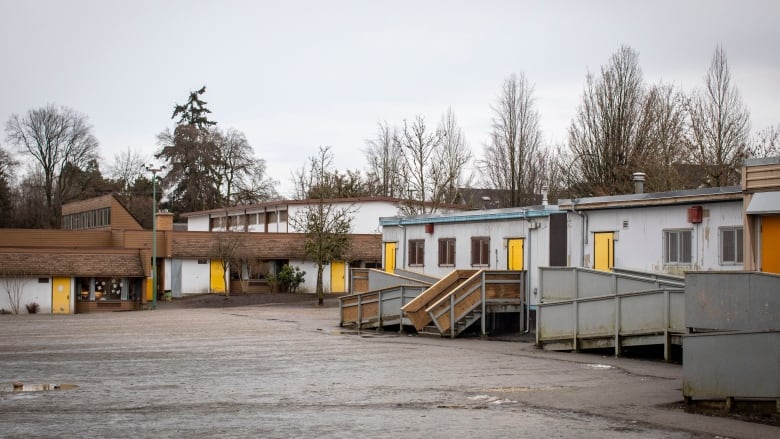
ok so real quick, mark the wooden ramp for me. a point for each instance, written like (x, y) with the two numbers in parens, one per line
(461, 299)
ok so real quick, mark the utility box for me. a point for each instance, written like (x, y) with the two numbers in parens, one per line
(695, 214)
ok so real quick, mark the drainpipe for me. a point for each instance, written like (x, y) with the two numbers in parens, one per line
(528, 279)
(583, 233)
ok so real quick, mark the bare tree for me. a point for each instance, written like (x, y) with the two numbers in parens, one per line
(514, 161)
(766, 143)
(665, 113)
(235, 162)
(257, 186)
(14, 287)
(719, 124)
(59, 139)
(327, 226)
(384, 157)
(453, 157)
(419, 145)
(7, 206)
(128, 167)
(227, 248)
(608, 136)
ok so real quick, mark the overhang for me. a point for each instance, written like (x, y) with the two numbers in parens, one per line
(764, 202)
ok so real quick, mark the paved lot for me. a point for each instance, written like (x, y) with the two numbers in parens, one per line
(290, 371)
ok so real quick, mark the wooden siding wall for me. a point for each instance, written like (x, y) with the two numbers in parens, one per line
(55, 238)
(121, 218)
(761, 177)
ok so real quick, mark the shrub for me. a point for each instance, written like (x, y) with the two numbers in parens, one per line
(287, 280)
(33, 307)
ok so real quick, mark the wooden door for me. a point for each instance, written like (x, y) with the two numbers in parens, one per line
(770, 243)
(390, 248)
(337, 277)
(60, 295)
(604, 251)
(515, 248)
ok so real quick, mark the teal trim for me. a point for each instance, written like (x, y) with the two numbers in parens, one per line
(462, 218)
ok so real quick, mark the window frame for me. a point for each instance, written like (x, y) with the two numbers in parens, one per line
(679, 235)
(447, 252)
(480, 251)
(416, 252)
(738, 239)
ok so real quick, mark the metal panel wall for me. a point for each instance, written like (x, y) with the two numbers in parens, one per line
(732, 300)
(732, 365)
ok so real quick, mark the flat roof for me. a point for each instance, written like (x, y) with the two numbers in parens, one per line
(703, 195)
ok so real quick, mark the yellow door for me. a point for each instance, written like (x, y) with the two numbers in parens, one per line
(217, 283)
(515, 254)
(770, 242)
(337, 275)
(149, 292)
(60, 295)
(604, 251)
(390, 257)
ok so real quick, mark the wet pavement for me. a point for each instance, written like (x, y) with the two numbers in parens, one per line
(290, 371)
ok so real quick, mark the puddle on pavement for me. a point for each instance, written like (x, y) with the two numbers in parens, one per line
(21, 387)
(598, 366)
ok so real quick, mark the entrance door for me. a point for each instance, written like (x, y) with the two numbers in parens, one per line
(60, 295)
(604, 251)
(217, 281)
(390, 256)
(337, 275)
(770, 241)
(514, 260)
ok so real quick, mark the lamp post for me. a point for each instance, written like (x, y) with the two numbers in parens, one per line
(154, 172)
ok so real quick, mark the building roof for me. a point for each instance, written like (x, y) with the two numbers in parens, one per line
(471, 216)
(706, 195)
(256, 206)
(66, 263)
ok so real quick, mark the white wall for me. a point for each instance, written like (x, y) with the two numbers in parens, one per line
(536, 245)
(640, 245)
(198, 223)
(194, 277)
(33, 291)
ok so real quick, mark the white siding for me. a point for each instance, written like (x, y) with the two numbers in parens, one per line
(640, 244)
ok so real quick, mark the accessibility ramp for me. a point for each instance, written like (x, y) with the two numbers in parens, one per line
(582, 309)
(465, 297)
(377, 297)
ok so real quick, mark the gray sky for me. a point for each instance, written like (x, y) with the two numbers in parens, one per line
(294, 75)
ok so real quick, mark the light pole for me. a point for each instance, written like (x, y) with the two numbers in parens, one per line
(154, 172)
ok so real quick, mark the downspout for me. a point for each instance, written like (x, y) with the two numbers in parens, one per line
(583, 232)
(403, 243)
(528, 280)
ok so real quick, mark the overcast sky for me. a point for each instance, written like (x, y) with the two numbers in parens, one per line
(294, 75)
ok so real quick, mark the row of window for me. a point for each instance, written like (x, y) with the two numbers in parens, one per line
(87, 220)
(249, 219)
(678, 245)
(480, 251)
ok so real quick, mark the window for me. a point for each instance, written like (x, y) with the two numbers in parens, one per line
(677, 246)
(217, 223)
(731, 245)
(416, 252)
(480, 251)
(447, 251)
(251, 219)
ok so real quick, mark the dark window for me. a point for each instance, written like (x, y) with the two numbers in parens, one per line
(416, 252)
(480, 251)
(731, 245)
(43, 280)
(447, 251)
(202, 261)
(677, 246)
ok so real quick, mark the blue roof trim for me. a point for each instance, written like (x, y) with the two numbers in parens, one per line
(461, 218)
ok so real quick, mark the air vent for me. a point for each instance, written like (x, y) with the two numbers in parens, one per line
(625, 224)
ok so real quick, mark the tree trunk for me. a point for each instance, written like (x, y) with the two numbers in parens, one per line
(320, 295)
